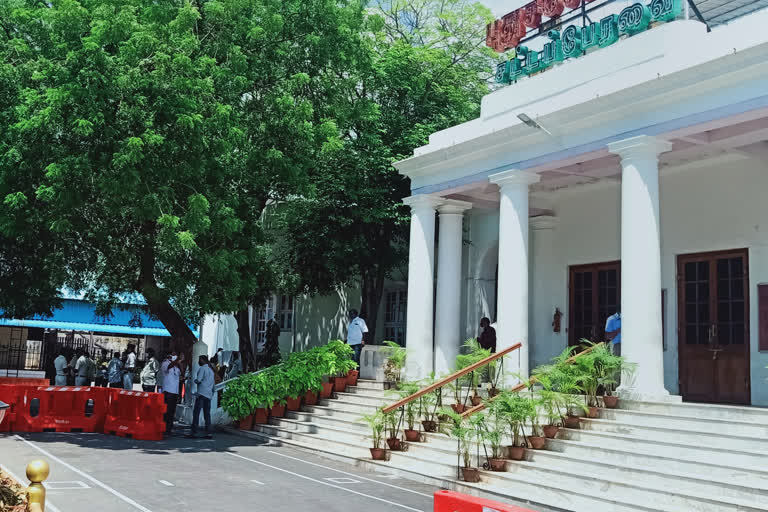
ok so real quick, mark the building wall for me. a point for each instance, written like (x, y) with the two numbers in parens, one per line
(709, 206)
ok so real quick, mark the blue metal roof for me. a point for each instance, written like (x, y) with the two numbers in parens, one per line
(80, 315)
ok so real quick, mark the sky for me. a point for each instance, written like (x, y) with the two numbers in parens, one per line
(502, 7)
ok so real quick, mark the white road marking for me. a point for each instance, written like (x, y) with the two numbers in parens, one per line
(166, 483)
(86, 476)
(48, 505)
(66, 485)
(342, 480)
(325, 483)
(354, 475)
(257, 482)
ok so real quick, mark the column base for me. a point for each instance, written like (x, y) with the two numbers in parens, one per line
(636, 395)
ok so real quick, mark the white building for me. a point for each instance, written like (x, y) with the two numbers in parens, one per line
(638, 183)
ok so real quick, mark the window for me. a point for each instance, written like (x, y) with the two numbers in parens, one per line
(396, 303)
(263, 315)
(286, 313)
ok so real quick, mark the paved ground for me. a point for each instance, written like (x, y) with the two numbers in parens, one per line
(229, 473)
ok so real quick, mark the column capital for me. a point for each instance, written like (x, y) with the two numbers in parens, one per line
(423, 202)
(541, 222)
(640, 146)
(453, 206)
(514, 177)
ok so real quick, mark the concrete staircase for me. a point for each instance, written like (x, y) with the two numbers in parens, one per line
(644, 457)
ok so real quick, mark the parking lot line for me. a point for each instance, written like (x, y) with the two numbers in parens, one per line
(325, 483)
(354, 475)
(85, 475)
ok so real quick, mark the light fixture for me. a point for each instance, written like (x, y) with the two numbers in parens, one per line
(533, 124)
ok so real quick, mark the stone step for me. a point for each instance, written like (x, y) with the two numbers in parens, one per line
(381, 393)
(757, 415)
(727, 427)
(355, 408)
(337, 418)
(591, 480)
(724, 440)
(365, 399)
(678, 450)
(372, 384)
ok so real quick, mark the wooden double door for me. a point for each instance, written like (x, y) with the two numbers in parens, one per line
(595, 294)
(713, 326)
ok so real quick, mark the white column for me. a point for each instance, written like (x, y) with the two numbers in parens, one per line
(546, 281)
(641, 331)
(448, 307)
(512, 305)
(421, 272)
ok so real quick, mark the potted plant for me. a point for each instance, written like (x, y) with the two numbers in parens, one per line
(376, 423)
(516, 410)
(473, 353)
(429, 405)
(392, 425)
(238, 401)
(464, 433)
(411, 410)
(393, 367)
(493, 433)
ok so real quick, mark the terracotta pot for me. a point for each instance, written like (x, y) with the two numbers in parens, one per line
(413, 436)
(458, 408)
(537, 443)
(260, 416)
(310, 398)
(571, 422)
(339, 384)
(611, 402)
(394, 444)
(516, 452)
(352, 377)
(493, 392)
(594, 412)
(378, 453)
(477, 400)
(277, 411)
(327, 390)
(429, 426)
(471, 474)
(246, 423)
(293, 404)
(550, 431)
(498, 464)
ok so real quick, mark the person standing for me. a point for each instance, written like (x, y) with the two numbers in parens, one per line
(205, 384)
(171, 379)
(115, 371)
(148, 375)
(81, 368)
(487, 338)
(60, 363)
(356, 331)
(235, 366)
(101, 369)
(129, 369)
(613, 332)
(272, 345)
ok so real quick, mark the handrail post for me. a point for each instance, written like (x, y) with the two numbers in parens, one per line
(37, 472)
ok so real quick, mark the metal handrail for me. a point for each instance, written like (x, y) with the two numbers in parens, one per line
(445, 380)
(523, 385)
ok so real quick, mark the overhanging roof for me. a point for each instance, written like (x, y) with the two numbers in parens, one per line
(717, 12)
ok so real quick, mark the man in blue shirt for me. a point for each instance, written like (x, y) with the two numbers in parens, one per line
(613, 331)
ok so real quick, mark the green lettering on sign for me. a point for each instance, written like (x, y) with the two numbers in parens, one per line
(574, 41)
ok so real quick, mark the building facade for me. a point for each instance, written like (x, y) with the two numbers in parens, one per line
(629, 179)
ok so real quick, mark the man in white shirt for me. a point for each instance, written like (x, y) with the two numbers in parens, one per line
(205, 383)
(171, 378)
(356, 334)
(130, 367)
(148, 375)
(60, 363)
(82, 369)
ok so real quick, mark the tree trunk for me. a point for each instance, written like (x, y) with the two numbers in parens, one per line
(244, 334)
(371, 292)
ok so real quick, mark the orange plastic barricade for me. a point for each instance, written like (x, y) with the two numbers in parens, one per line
(136, 414)
(61, 409)
(449, 501)
(24, 381)
(11, 396)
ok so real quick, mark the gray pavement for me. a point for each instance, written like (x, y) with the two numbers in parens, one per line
(228, 473)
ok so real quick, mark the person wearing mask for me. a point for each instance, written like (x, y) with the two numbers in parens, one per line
(205, 383)
(60, 363)
(130, 367)
(148, 375)
(235, 366)
(115, 371)
(81, 368)
(171, 380)
(356, 331)
(487, 338)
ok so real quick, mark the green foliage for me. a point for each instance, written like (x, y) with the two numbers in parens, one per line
(395, 355)
(495, 428)
(376, 423)
(412, 408)
(430, 402)
(516, 410)
(460, 429)
(472, 353)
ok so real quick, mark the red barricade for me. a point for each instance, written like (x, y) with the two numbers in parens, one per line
(62, 409)
(10, 395)
(449, 501)
(136, 414)
(24, 381)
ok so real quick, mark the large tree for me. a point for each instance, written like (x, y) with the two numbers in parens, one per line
(140, 141)
(428, 70)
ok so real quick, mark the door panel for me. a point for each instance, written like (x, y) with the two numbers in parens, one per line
(713, 329)
(594, 296)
